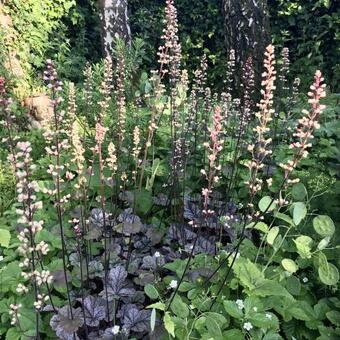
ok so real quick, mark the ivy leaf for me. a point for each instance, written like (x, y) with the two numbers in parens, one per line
(117, 285)
(94, 310)
(64, 326)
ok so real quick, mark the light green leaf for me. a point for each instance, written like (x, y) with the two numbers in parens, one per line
(153, 319)
(169, 324)
(232, 309)
(299, 212)
(289, 265)
(261, 226)
(5, 237)
(267, 204)
(157, 305)
(324, 243)
(328, 274)
(304, 245)
(247, 272)
(151, 291)
(324, 225)
(271, 236)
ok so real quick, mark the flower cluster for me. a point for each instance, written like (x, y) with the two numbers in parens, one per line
(170, 53)
(121, 100)
(307, 125)
(31, 251)
(214, 148)
(261, 150)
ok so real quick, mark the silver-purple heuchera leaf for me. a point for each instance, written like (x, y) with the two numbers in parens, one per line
(64, 325)
(130, 223)
(117, 286)
(97, 218)
(94, 309)
(134, 319)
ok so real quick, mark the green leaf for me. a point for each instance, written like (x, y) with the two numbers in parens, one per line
(151, 291)
(270, 288)
(302, 310)
(324, 243)
(293, 285)
(328, 274)
(179, 307)
(264, 320)
(261, 226)
(289, 265)
(299, 192)
(213, 327)
(232, 309)
(169, 324)
(5, 237)
(233, 334)
(304, 245)
(324, 225)
(13, 334)
(285, 218)
(247, 272)
(143, 201)
(153, 319)
(157, 305)
(299, 212)
(271, 236)
(266, 204)
(334, 317)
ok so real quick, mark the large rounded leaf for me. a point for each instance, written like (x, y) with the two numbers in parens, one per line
(328, 274)
(289, 265)
(267, 204)
(323, 225)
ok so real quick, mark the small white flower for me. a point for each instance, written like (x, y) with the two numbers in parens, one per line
(173, 284)
(115, 330)
(157, 254)
(255, 309)
(240, 304)
(247, 326)
(1, 258)
(269, 316)
(305, 280)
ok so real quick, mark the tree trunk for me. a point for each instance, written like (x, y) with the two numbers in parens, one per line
(114, 23)
(247, 32)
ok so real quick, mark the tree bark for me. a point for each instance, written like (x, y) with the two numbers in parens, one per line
(114, 23)
(246, 24)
